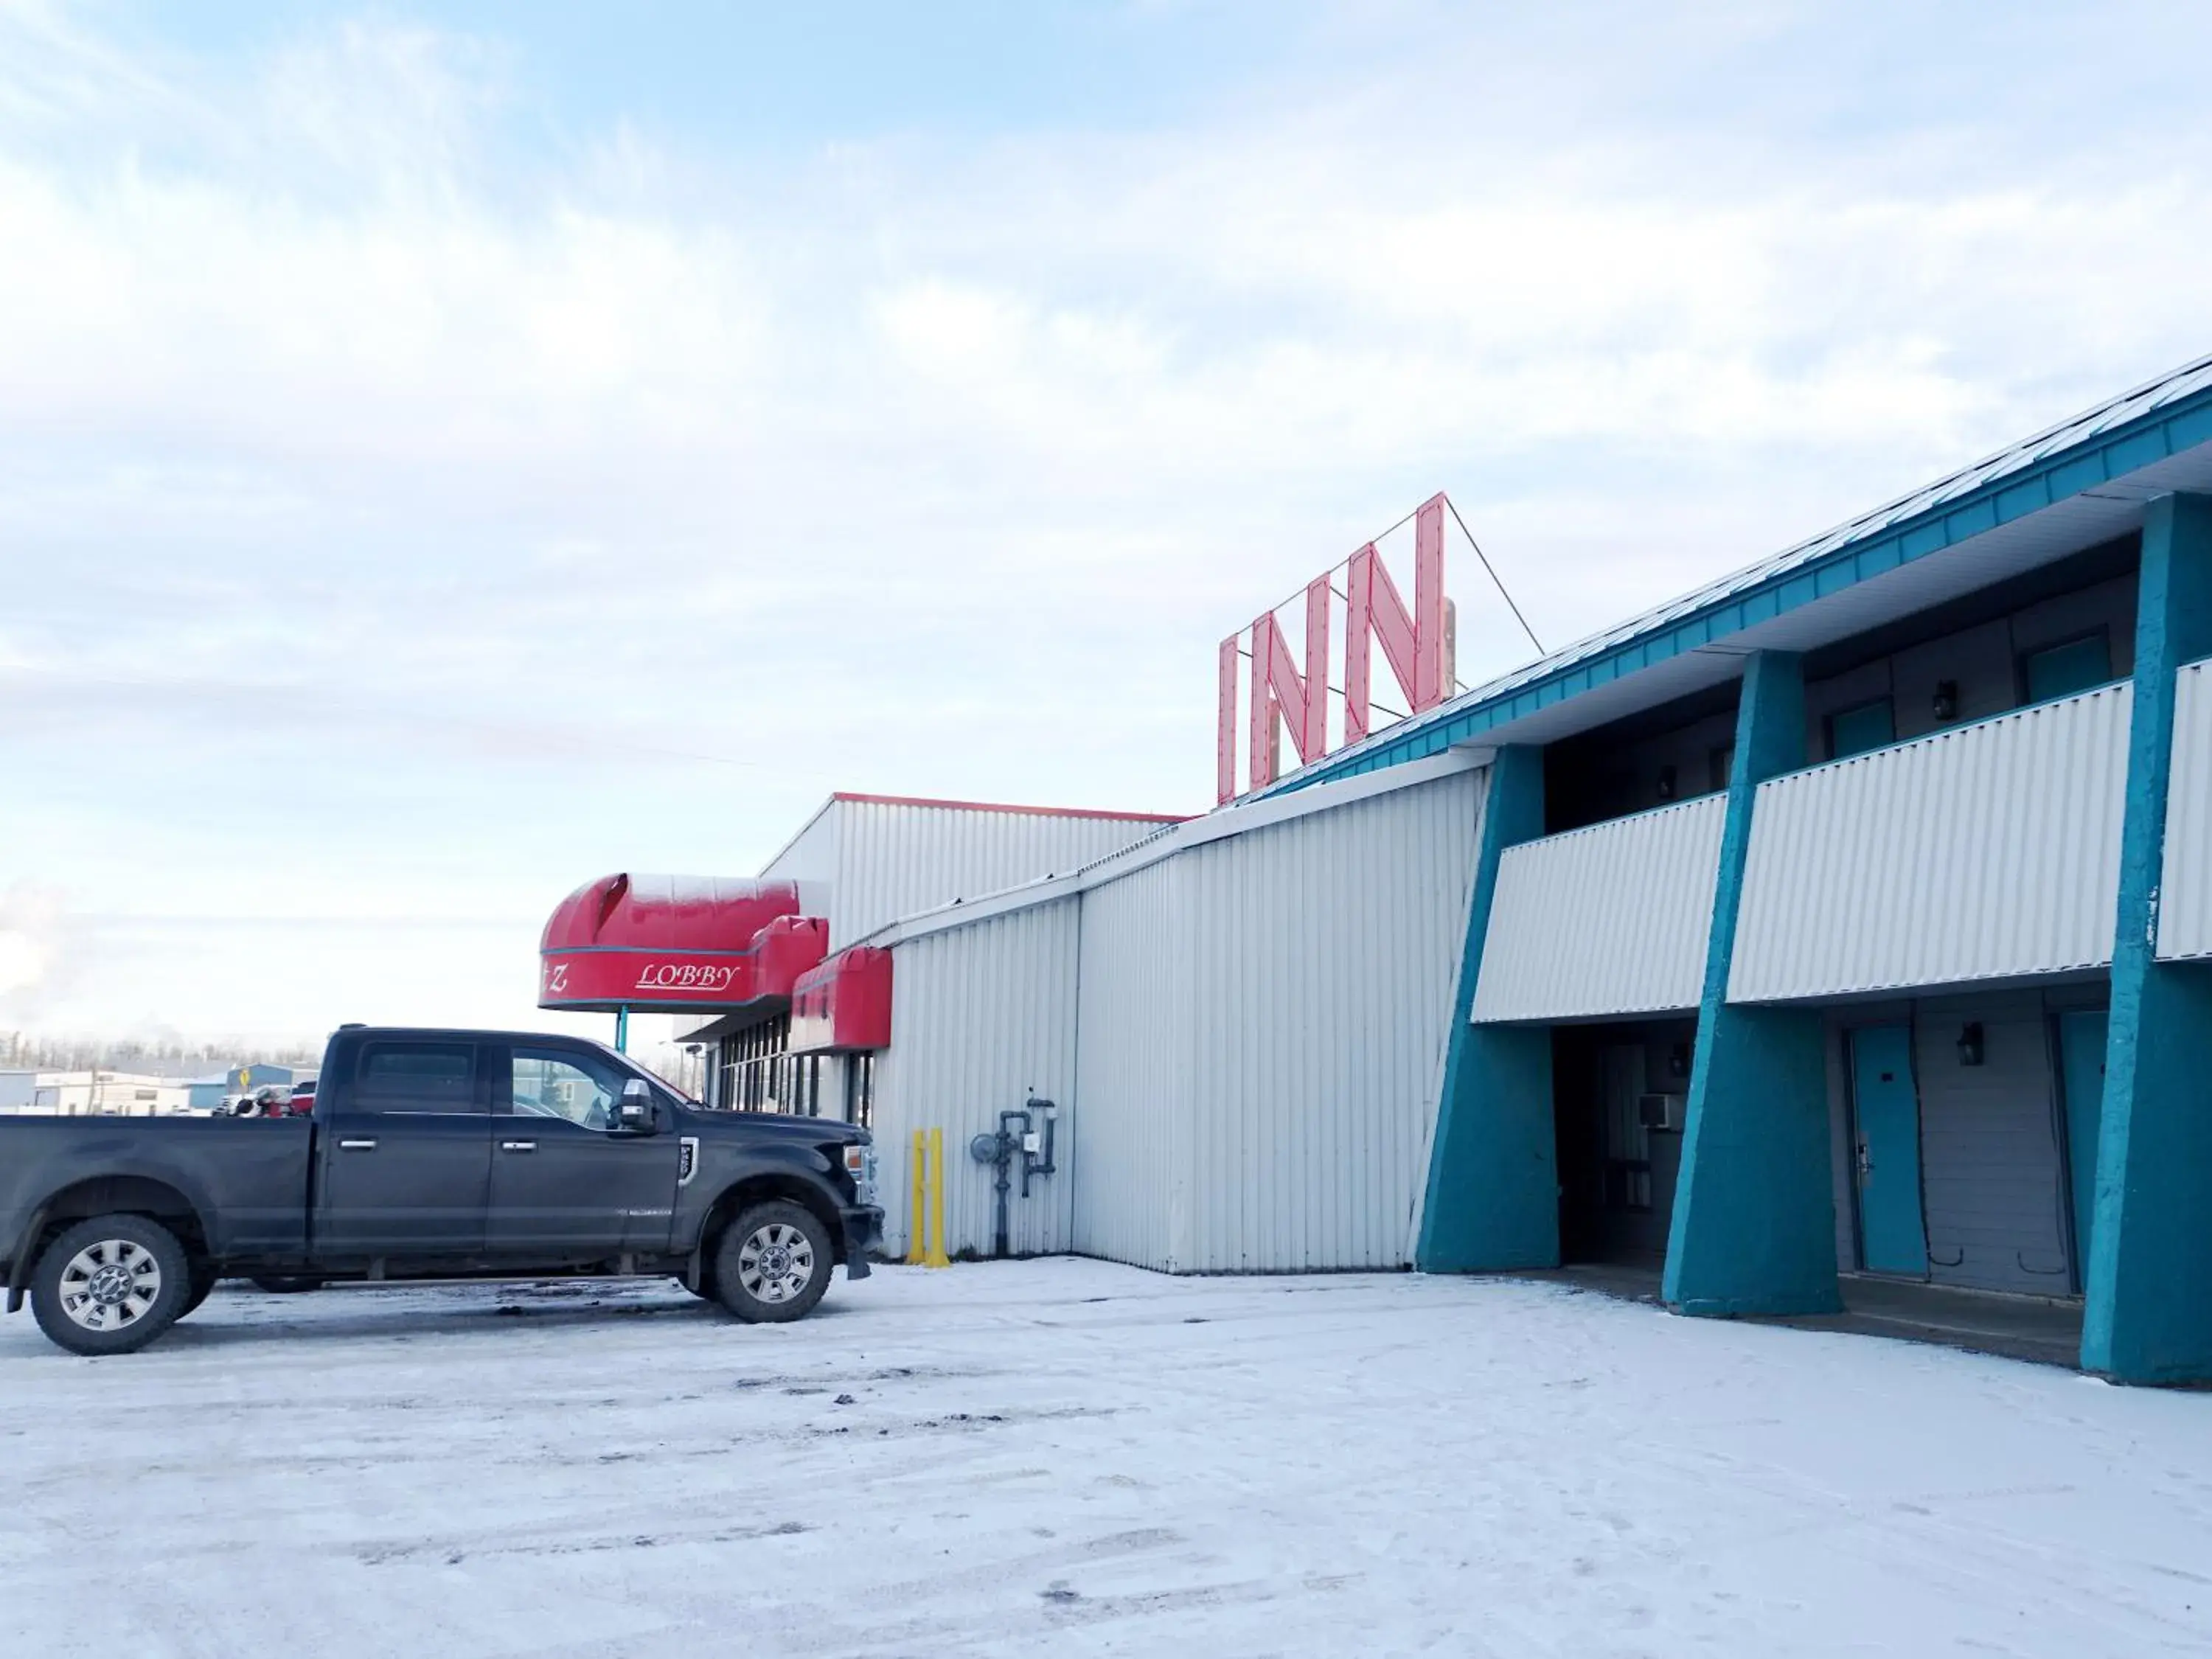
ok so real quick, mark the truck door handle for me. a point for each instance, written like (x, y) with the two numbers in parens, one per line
(518, 1145)
(356, 1145)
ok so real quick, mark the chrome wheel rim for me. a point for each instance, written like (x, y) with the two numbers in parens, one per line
(110, 1286)
(776, 1263)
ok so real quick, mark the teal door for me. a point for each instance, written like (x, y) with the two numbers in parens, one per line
(2082, 1079)
(1885, 1108)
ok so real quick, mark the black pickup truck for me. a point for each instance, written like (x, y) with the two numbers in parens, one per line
(431, 1154)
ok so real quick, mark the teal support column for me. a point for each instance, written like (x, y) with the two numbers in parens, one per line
(2148, 1312)
(622, 1031)
(1753, 1230)
(1493, 1192)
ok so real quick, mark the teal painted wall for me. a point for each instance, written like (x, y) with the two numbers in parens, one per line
(1754, 1208)
(1493, 1199)
(2148, 1317)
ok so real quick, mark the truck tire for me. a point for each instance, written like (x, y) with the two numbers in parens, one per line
(773, 1263)
(111, 1285)
(285, 1284)
(203, 1278)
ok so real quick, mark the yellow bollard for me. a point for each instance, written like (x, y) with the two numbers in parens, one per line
(935, 1256)
(917, 1218)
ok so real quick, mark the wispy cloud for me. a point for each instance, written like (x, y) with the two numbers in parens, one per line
(401, 476)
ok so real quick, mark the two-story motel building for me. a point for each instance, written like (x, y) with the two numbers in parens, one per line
(1851, 915)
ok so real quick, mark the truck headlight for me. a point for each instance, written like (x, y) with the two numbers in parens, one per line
(860, 1165)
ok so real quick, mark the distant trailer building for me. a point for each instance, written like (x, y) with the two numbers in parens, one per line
(102, 1094)
(1850, 915)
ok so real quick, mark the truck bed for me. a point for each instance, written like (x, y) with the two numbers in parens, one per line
(249, 1173)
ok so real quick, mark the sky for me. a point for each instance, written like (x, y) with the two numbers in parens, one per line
(450, 453)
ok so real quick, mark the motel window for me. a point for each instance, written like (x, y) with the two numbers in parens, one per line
(1855, 730)
(2061, 670)
(757, 1070)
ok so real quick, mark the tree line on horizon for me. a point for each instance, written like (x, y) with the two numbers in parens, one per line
(163, 1056)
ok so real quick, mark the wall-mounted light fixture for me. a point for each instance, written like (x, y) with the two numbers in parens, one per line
(1667, 783)
(1946, 700)
(1970, 1043)
(1678, 1060)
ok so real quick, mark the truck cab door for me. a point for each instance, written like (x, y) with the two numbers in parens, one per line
(405, 1151)
(567, 1184)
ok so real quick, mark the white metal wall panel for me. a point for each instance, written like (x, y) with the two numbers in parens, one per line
(982, 1018)
(1608, 920)
(2184, 916)
(1984, 852)
(1245, 1038)
(894, 860)
(812, 854)
(1325, 950)
(1133, 1095)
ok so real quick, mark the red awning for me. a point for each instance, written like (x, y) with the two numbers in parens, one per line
(679, 944)
(843, 1005)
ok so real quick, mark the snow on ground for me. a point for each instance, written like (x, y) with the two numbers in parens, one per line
(1069, 1457)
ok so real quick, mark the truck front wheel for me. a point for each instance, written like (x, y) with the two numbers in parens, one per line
(111, 1285)
(773, 1263)
(203, 1283)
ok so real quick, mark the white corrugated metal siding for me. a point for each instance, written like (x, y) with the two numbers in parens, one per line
(1325, 950)
(982, 1018)
(1245, 1038)
(2185, 924)
(812, 854)
(1132, 1116)
(896, 858)
(1610, 920)
(1984, 852)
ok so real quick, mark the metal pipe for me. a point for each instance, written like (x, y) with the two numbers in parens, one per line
(1045, 1165)
(1006, 1146)
(1000, 1151)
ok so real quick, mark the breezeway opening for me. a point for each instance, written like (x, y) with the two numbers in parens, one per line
(1621, 1093)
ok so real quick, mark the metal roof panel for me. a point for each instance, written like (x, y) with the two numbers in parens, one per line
(1926, 522)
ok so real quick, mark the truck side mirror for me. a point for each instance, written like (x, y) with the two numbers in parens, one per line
(634, 1115)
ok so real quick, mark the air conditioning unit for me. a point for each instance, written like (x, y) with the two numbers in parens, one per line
(1663, 1112)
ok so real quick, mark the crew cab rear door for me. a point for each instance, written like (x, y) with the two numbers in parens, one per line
(566, 1184)
(406, 1150)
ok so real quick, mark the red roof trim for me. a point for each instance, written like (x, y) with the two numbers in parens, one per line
(1002, 806)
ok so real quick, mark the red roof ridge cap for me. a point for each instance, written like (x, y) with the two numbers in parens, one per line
(1006, 806)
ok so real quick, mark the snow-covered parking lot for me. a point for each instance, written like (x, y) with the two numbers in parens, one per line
(1069, 1457)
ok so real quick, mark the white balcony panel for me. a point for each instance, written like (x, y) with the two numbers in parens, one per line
(2184, 926)
(1608, 920)
(1989, 851)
